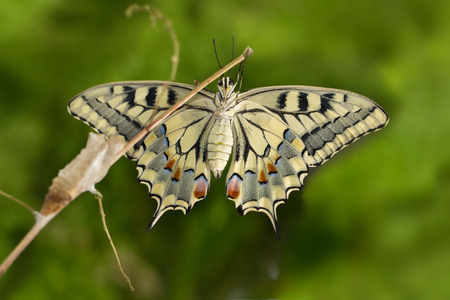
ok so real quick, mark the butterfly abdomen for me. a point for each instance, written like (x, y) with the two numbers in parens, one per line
(220, 143)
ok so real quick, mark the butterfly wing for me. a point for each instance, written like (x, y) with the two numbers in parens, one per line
(282, 131)
(326, 120)
(171, 159)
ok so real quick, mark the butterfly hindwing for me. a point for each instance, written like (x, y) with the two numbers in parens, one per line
(266, 163)
(171, 160)
(174, 164)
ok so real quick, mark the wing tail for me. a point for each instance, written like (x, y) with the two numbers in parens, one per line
(269, 156)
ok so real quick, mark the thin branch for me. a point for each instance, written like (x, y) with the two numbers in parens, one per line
(18, 201)
(105, 227)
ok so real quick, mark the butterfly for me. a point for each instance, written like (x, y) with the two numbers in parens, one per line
(273, 135)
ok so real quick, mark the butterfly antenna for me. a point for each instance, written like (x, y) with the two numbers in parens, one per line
(240, 74)
(232, 52)
(217, 56)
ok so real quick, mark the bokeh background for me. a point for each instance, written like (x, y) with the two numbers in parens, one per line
(372, 223)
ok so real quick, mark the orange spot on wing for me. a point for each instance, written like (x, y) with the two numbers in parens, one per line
(262, 177)
(271, 168)
(200, 189)
(170, 164)
(233, 188)
(177, 174)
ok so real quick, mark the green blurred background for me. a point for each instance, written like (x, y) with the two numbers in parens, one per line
(373, 223)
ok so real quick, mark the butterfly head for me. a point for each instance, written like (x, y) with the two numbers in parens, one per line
(226, 87)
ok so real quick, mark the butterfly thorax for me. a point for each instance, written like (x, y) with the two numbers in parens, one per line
(226, 92)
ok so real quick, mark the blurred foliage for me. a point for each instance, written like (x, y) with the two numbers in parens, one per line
(373, 223)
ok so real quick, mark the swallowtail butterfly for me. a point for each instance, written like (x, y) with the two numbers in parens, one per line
(273, 135)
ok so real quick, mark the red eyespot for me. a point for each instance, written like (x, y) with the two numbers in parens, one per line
(234, 187)
(200, 187)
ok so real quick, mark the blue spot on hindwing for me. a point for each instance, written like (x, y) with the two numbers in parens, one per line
(278, 162)
(160, 130)
(280, 146)
(287, 134)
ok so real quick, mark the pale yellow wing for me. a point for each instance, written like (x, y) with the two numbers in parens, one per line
(174, 163)
(280, 132)
(325, 119)
(267, 161)
(171, 159)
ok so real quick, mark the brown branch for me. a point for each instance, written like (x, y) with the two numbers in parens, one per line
(41, 222)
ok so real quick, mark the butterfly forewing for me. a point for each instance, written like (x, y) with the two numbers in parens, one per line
(326, 120)
(124, 108)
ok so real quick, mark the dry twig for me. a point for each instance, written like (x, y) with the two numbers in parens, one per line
(105, 228)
